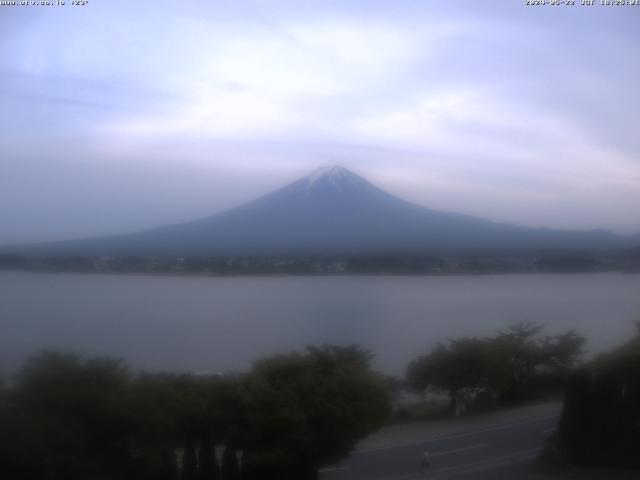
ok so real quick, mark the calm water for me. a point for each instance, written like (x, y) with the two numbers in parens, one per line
(218, 324)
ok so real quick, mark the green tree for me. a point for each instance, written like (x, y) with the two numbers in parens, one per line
(459, 367)
(523, 357)
(600, 422)
(309, 408)
(68, 416)
(517, 354)
(506, 367)
(171, 415)
(561, 353)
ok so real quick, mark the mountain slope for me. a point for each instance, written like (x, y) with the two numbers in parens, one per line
(335, 211)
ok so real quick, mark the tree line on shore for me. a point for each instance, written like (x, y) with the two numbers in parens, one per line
(362, 264)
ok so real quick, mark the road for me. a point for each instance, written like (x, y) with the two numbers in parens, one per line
(487, 446)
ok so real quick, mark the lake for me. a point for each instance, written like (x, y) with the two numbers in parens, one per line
(216, 324)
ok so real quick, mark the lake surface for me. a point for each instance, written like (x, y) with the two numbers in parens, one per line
(220, 324)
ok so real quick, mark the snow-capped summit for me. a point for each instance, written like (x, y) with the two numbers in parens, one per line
(335, 177)
(331, 171)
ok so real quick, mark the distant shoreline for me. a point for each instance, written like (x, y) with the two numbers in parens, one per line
(331, 265)
(313, 274)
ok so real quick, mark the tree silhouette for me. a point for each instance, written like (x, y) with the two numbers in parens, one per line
(70, 418)
(506, 367)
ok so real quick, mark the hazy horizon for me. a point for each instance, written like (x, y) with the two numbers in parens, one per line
(118, 117)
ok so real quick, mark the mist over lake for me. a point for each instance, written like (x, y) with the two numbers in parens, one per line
(224, 323)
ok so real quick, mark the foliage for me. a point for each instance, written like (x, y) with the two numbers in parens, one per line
(498, 369)
(312, 408)
(65, 415)
(457, 367)
(600, 422)
(70, 418)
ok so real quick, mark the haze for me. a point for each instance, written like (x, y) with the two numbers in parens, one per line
(120, 116)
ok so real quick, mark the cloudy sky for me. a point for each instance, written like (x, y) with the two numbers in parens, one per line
(124, 115)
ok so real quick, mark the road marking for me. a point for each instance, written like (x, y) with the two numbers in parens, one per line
(402, 477)
(435, 454)
(505, 426)
(334, 469)
(471, 467)
(457, 450)
(488, 464)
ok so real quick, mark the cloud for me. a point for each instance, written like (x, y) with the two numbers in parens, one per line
(285, 82)
(496, 110)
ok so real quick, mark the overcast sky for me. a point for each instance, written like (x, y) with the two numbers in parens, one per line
(124, 115)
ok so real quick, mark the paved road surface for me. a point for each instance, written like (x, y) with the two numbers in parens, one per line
(473, 448)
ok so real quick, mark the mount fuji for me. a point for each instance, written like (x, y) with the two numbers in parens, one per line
(334, 211)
